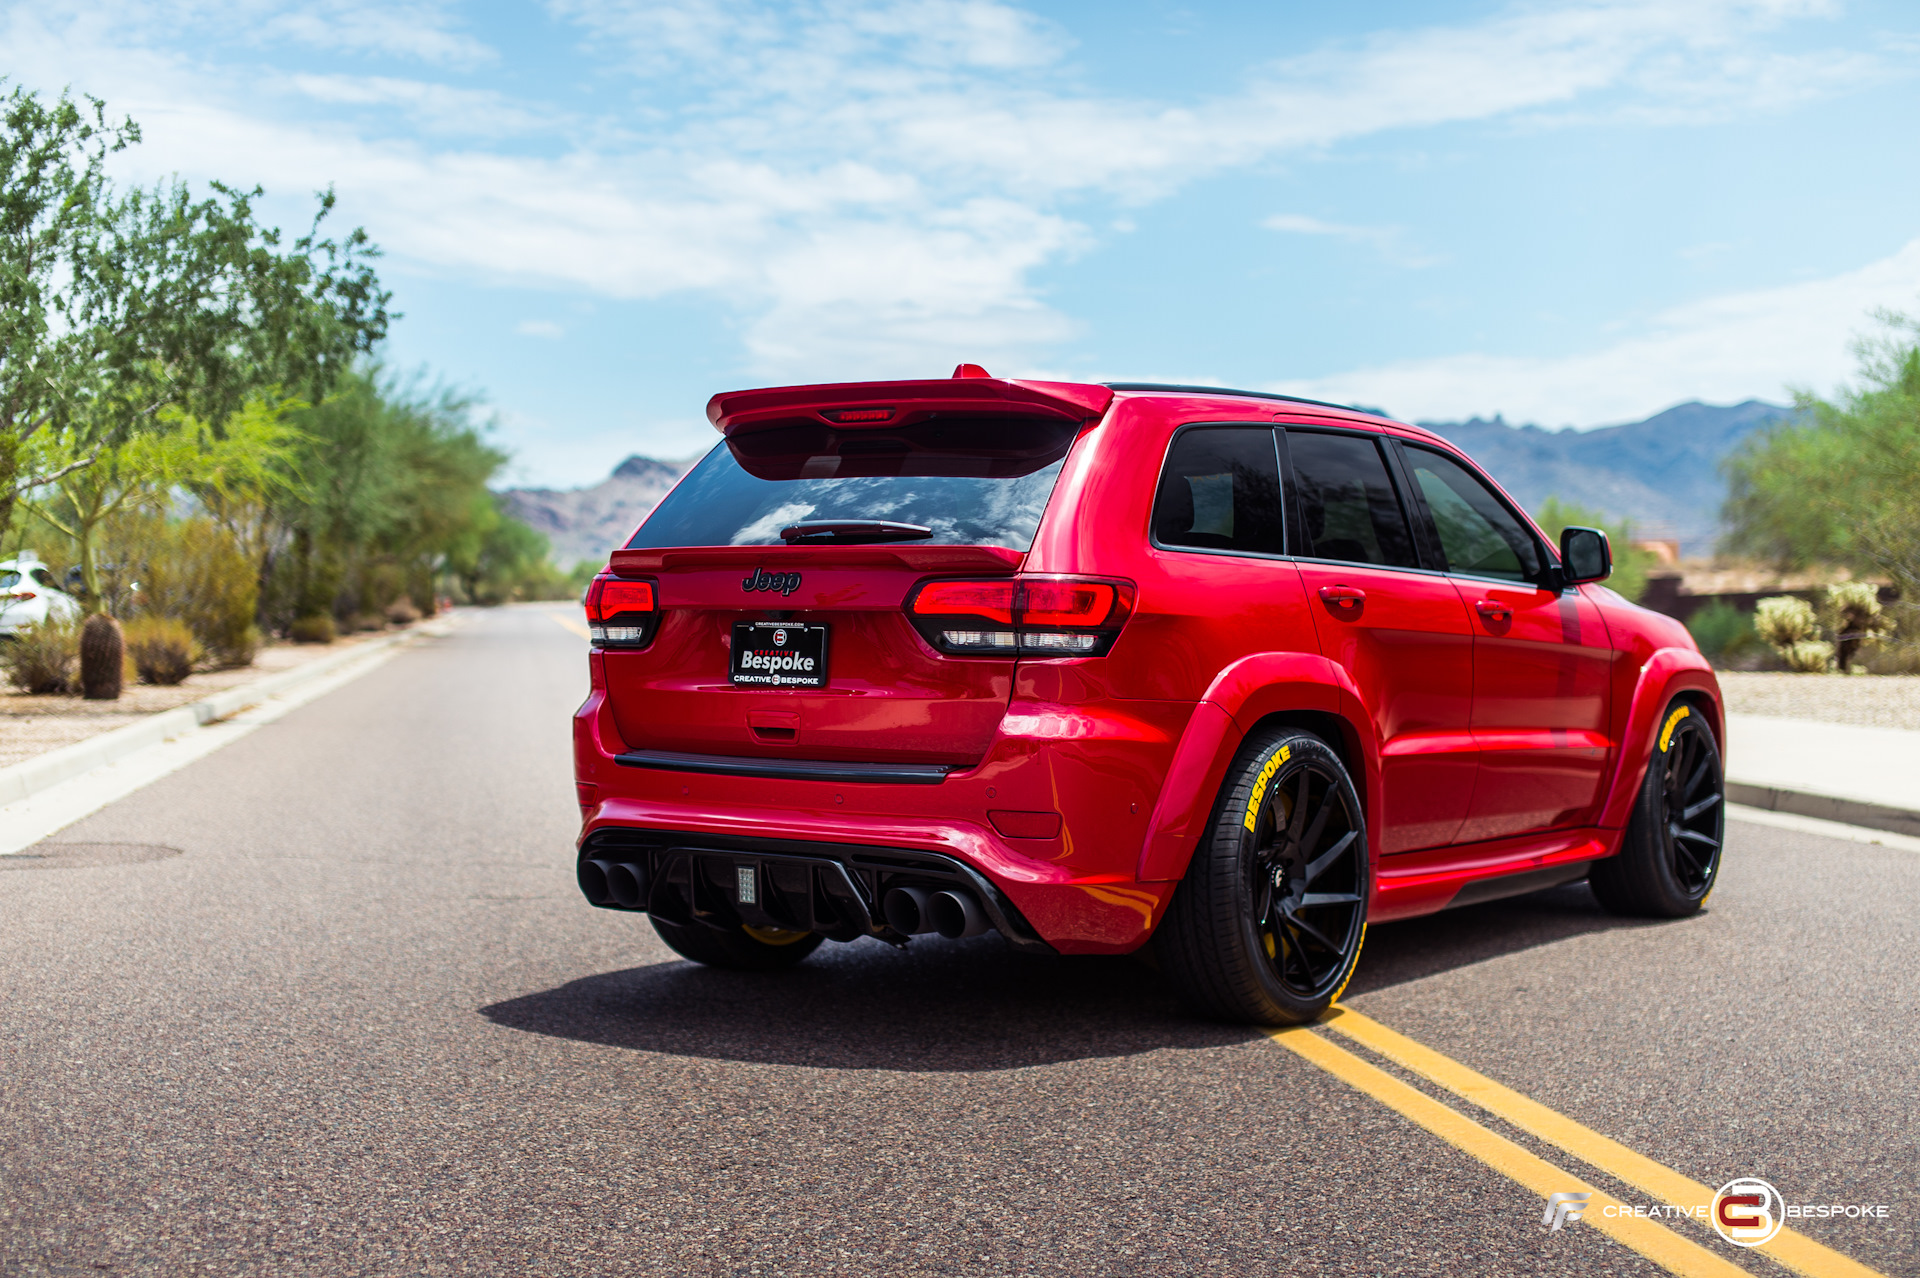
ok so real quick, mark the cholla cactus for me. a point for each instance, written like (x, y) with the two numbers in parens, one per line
(1809, 656)
(1854, 614)
(1784, 622)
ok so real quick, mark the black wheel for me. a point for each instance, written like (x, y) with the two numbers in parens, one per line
(1670, 854)
(744, 949)
(1267, 925)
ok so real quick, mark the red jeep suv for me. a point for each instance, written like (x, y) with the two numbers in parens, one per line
(1101, 666)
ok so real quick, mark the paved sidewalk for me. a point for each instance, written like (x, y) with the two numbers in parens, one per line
(1839, 772)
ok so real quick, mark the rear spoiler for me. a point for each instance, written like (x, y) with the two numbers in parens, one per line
(878, 405)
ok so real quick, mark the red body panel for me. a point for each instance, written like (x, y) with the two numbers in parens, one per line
(1482, 747)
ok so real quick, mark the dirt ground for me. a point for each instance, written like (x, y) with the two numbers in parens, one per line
(1877, 701)
(31, 725)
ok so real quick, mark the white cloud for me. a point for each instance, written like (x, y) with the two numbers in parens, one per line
(1388, 241)
(1741, 345)
(433, 108)
(870, 184)
(540, 328)
(424, 32)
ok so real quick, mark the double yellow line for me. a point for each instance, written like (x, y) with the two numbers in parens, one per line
(1655, 1241)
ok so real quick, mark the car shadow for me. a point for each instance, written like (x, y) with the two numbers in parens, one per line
(1396, 953)
(980, 1005)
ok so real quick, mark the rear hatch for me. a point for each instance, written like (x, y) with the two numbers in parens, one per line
(782, 562)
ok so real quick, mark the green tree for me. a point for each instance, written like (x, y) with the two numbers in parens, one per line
(227, 470)
(115, 307)
(1630, 564)
(1840, 483)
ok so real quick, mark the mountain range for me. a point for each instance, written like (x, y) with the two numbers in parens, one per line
(1663, 474)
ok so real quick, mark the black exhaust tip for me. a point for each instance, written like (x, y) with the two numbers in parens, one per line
(956, 915)
(906, 911)
(593, 881)
(628, 883)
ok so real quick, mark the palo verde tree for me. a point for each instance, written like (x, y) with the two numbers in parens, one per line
(117, 306)
(1840, 484)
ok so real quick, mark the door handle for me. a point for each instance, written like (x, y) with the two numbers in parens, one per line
(1344, 600)
(1493, 610)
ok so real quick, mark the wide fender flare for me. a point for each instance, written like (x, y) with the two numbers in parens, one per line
(1667, 673)
(1241, 696)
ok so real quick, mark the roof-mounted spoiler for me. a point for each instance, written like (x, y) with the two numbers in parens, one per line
(878, 405)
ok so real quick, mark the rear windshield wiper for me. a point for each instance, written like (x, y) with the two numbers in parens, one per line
(850, 532)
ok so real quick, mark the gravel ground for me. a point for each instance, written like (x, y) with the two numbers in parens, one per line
(328, 1002)
(31, 725)
(1874, 701)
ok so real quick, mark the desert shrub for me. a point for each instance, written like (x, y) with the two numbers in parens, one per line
(315, 629)
(103, 658)
(163, 649)
(366, 621)
(195, 571)
(44, 658)
(401, 612)
(1722, 630)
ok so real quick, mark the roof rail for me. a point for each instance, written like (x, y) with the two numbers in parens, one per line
(1228, 390)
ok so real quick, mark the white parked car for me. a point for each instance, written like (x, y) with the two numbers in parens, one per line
(29, 594)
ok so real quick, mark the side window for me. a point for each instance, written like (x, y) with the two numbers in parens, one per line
(1221, 491)
(1347, 503)
(1478, 534)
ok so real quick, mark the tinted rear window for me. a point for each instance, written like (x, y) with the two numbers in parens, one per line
(1347, 502)
(1221, 491)
(974, 481)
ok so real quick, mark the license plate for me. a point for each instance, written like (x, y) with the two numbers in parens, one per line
(779, 654)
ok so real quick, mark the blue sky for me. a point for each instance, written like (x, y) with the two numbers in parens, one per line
(599, 212)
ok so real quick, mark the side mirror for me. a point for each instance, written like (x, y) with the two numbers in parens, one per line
(1584, 556)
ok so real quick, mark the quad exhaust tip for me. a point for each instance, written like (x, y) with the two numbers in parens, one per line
(914, 911)
(614, 883)
(628, 883)
(957, 914)
(906, 909)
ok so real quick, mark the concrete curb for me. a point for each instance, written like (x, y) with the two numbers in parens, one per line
(26, 779)
(1826, 807)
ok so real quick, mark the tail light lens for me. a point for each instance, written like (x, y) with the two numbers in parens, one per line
(1022, 616)
(622, 612)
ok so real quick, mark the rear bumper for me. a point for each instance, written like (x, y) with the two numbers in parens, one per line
(1077, 891)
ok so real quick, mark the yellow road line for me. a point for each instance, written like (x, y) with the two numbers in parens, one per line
(1794, 1250)
(567, 621)
(1651, 1239)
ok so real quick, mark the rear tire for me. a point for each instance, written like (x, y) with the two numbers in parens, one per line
(1670, 855)
(738, 949)
(1245, 939)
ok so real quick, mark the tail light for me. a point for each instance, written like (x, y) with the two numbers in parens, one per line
(621, 612)
(1022, 616)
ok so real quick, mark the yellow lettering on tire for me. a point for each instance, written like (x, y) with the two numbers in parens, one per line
(1673, 721)
(1259, 794)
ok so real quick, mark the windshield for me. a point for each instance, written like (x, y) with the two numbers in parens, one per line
(973, 481)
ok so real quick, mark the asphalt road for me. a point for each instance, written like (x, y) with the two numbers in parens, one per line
(362, 1023)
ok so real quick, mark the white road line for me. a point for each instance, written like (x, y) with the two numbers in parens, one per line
(1826, 829)
(27, 821)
